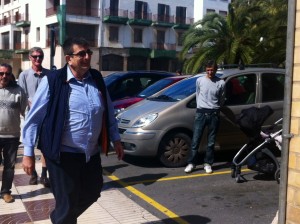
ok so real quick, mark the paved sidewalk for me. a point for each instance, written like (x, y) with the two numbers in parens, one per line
(33, 204)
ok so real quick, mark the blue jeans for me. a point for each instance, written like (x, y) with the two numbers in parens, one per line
(75, 184)
(9, 149)
(203, 120)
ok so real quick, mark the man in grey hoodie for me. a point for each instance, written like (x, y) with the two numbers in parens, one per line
(13, 102)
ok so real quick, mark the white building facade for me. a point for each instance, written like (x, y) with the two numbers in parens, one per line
(124, 34)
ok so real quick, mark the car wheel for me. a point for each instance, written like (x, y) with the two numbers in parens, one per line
(174, 150)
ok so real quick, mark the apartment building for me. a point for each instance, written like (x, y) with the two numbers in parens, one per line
(124, 34)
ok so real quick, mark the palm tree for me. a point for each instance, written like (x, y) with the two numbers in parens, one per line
(272, 47)
(231, 40)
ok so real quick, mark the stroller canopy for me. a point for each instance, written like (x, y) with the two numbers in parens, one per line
(251, 119)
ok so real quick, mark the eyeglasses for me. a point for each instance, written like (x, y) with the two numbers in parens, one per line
(82, 54)
(37, 56)
(5, 73)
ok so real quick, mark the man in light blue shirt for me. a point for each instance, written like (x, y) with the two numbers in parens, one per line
(72, 116)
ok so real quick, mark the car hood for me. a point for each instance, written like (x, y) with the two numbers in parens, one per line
(143, 108)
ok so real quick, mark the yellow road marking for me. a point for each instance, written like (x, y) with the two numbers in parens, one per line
(187, 176)
(147, 199)
(152, 202)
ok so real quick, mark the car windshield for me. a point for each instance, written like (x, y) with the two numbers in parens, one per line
(111, 78)
(154, 88)
(178, 91)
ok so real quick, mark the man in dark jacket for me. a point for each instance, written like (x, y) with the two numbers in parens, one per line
(74, 117)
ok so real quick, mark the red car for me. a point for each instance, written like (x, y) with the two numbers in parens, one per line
(121, 104)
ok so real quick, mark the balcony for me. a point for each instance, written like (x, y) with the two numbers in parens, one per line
(183, 23)
(76, 11)
(21, 48)
(163, 20)
(141, 19)
(115, 16)
(51, 11)
(163, 50)
(6, 21)
(82, 11)
(22, 20)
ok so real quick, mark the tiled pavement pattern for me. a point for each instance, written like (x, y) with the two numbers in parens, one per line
(33, 204)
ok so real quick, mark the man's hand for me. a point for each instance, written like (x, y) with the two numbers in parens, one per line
(119, 149)
(28, 164)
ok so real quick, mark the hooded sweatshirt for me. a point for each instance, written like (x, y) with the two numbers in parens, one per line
(13, 102)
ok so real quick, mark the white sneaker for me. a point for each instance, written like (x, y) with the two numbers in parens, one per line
(207, 168)
(189, 168)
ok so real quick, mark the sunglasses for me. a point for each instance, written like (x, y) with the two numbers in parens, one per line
(5, 73)
(37, 56)
(82, 54)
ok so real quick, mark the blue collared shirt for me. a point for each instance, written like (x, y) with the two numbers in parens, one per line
(83, 122)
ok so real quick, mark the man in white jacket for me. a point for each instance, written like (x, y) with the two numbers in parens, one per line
(13, 102)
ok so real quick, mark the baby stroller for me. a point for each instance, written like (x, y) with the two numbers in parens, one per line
(258, 153)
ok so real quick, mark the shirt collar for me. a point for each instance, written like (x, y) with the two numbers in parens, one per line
(71, 76)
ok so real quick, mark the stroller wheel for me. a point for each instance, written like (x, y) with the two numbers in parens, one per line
(277, 176)
(238, 178)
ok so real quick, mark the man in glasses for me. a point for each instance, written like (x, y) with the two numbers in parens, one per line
(209, 97)
(29, 81)
(13, 102)
(73, 117)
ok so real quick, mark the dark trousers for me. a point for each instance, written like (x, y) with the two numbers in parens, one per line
(9, 149)
(203, 120)
(75, 184)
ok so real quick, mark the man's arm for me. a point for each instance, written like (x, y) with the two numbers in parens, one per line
(33, 123)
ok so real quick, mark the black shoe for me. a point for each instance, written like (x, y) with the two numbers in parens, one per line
(45, 181)
(33, 179)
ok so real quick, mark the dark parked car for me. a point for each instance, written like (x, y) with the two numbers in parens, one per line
(130, 83)
(121, 104)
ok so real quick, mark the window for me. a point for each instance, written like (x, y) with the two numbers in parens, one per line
(241, 90)
(210, 10)
(181, 15)
(160, 39)
(38, 34)
(114, 7)
(140, 10)
(113, 34)
(163, 13)
(272, 87)
(223, 13)
(5, 40)
(138, 35)
(179, 38)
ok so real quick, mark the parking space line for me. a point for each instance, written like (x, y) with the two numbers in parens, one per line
(186, 176)
(147, 199)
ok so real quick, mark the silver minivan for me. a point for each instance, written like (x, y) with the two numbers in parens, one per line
(162, 125)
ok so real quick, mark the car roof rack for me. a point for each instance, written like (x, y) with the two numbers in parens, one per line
(242, 66)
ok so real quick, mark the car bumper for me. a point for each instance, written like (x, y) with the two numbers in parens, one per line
(139, 142)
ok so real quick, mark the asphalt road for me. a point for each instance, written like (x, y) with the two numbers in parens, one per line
(196, 198)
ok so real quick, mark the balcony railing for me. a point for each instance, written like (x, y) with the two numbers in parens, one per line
(162, 46)
(184, 20)
(92, 42)
(120, 12)
(138, 15)
(51, 11)
(83, 11)
(5, 21)
(163, 18)
(72, 10)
